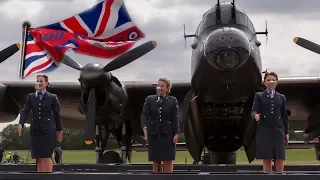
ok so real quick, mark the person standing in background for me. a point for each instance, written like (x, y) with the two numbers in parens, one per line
(46, 127)
(160, 124)
(270, 111)
(1, 154)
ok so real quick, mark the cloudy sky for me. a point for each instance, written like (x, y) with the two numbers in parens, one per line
(162, 21)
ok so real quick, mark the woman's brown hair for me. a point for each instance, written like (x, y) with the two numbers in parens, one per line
(270, 74)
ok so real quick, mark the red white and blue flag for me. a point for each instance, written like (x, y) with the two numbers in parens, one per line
(104, 31)
(37, 58)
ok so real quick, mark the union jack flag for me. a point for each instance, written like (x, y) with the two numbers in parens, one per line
(37, 59)
(104, 31)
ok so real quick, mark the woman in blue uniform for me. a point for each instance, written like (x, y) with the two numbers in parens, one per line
(160, 124)
(270, 111)
(46, 127)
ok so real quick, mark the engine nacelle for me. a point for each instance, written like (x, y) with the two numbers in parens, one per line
(9, 108)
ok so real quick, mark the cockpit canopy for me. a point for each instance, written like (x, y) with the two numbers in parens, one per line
(210, 18)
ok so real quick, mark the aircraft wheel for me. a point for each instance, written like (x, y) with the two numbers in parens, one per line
(110, 157)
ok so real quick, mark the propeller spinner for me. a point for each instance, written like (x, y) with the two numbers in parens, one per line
(92, 73)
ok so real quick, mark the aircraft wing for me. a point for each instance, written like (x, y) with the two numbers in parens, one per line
(13, 96)
(303, 103)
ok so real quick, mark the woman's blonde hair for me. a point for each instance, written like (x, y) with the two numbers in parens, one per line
(167, 81)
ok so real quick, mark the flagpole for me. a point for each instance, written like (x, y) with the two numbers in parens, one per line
(26, 25)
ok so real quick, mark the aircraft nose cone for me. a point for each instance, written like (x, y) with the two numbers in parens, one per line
(226, 48)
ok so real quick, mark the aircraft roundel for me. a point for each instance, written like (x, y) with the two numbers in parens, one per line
(133, 35)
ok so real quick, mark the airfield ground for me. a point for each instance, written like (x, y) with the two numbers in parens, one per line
(294, 156)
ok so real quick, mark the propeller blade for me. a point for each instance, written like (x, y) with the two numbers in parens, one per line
(71, 62)
(9, 51)
(89, 129)
(307, 44)
(130, 56)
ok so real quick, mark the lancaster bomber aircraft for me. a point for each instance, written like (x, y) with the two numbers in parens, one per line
(214, 106)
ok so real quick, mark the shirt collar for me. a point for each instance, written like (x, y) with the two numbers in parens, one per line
(163, 96)
(270, 91)
(42, 92)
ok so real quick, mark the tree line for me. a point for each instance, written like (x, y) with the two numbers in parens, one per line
(72, 139)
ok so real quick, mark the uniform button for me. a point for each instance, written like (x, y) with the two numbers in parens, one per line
(160, 116)
(271, 112)
(160, 107)
(160, 119)
(39, 103)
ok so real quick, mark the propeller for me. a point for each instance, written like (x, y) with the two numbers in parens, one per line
(9, 51)
(90, 117)
(117, 63)
(307, 44)
(71, 63)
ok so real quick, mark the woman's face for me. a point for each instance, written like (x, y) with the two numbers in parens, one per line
(163, 87)
(271, 82)
(42, 83)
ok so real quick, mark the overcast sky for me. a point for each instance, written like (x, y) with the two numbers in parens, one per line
(162, 21)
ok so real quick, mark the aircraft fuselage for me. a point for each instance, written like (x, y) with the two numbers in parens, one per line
(226, 73)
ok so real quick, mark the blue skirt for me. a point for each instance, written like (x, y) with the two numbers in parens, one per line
(42, 143)
(270, 143)
(161, 147)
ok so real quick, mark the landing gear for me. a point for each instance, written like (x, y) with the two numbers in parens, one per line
(124, 142)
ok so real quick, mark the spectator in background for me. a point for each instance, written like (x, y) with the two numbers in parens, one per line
(57, 155)
(16, 157)
(1, 154)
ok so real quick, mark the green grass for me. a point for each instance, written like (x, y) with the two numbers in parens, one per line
(294, 156)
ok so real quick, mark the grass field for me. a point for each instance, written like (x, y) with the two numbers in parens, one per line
(294, 156)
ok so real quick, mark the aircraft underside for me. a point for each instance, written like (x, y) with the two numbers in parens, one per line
(219, 113)
(217, 127)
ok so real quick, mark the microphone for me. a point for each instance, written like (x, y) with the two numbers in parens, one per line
(36, 86)
(272, 84)
(158, 90)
